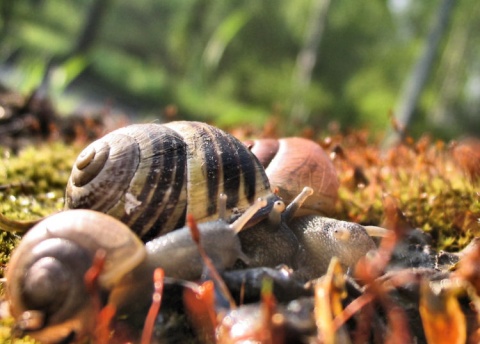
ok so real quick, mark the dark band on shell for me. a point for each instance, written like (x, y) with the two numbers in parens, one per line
(161, 206)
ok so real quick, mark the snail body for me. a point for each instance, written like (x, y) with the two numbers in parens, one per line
(56, 254)
(307, 243)
(151, 175)
(45, 277)
(323, 238)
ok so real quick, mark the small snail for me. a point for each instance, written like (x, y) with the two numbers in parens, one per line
(150, 175)
(45, 286)
(292, 163)
(45, 277)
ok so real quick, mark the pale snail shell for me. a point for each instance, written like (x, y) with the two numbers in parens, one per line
(292, 163)
(49, 295)
(45, 276)
(150, 175)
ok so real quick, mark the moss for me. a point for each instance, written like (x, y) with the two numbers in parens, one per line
(32, 185)
(433, 193)
(6, 334)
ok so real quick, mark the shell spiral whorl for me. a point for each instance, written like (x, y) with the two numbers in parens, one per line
(150, 175)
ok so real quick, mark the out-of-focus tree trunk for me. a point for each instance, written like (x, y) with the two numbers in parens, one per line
(419, 74)
(6, 16)
(453, 66)
(91, 27)
(306, 60)
(89, 32)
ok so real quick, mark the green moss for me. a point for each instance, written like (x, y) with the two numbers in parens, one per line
(6, 335)
(32, 185)
(7, 242)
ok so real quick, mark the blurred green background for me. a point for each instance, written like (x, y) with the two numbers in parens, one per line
(308, 62)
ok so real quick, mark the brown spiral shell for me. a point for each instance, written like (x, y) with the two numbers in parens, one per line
(151, 175)
(293, 163)
(46, 290)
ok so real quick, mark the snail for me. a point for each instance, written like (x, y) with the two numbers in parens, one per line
(308, 243)
(294, 162)
(150, 175)
(45, 286)
(323, 238)
(45, 277)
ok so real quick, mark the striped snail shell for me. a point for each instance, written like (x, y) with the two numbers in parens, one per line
(150, 175)
(293, 163)
(45, 277)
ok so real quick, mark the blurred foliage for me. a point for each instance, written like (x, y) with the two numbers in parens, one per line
(232, 62)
